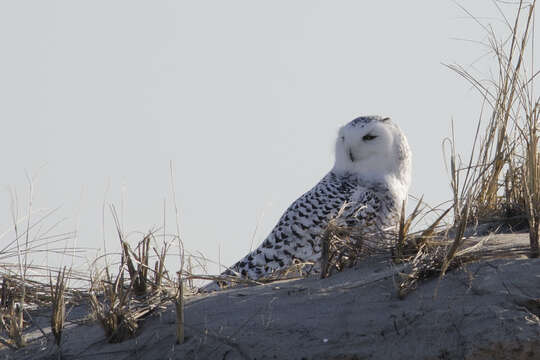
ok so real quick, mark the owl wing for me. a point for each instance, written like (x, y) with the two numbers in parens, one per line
(371, 209)
(297, 234)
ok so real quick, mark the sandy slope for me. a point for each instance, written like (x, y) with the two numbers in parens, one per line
(483, 311)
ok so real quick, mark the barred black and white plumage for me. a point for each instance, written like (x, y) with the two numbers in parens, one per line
(371, 174)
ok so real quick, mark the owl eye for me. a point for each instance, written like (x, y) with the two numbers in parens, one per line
(368, 137)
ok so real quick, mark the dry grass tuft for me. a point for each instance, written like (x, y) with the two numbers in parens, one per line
(503, 180)
(138, 274)
(119, 304)
(339, 248)
(58, 305)
(110, 301)
(16, 324)
(118, 301)
(403, 239)
(11, 313)
(179, 306)
(424, 265)
(344, 242)
(435, 254)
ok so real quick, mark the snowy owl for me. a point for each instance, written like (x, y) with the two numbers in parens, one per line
(371, 173)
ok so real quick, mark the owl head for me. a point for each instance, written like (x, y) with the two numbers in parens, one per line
(374, 148)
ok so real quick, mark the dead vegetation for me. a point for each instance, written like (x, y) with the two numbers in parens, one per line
(15, 318)
(58, 305)
(179, 300)
(501, 176)
(500, 182)
(22, 283)
(12, 321)
(119, 299)
(119, 303)
(111, 303)
(344, 243)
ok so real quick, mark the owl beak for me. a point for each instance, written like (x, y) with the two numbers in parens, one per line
(351, 155)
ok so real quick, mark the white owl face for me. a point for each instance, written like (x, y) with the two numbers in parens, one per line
(372, 147)
(362, 143)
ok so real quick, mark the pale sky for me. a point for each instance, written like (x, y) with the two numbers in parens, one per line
(244, 97)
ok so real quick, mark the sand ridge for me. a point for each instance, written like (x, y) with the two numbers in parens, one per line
(484, 310)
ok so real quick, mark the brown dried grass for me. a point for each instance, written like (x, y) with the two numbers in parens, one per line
(502, 175)
(58, 305)
(119, 304)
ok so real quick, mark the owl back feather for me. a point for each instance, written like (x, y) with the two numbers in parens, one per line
(297, 235)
